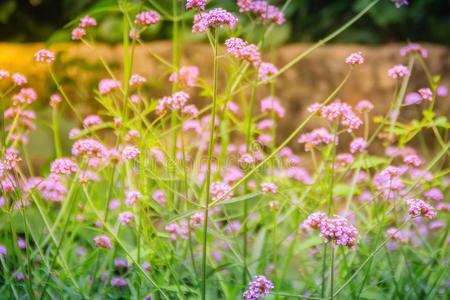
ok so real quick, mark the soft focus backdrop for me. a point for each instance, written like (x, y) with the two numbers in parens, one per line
(308, 20)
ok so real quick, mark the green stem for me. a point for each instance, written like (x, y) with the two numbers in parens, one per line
(208, 171)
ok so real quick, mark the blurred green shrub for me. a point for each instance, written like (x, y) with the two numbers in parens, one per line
(308, 20)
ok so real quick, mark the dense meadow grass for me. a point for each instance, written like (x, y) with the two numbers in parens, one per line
(161, 199)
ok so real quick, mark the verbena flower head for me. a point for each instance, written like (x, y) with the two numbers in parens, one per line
(88, 21)
(196, 220)
(19, 79)
(137, 80)
(342, 112)
(146, 18)
(52, 189)
(159, 197)
(55, 99)
(265, 70)
(4, 74)
(358, 145)
(103, 241)
(338, 231)
(434, 194)
(243, 50)
(316, 138)
(364, 106)
(200, 4)
(107, 86)
(89, 147)
(269, 188)
(220, 190)
(355, 58)
(64, 166)
(400, 3)
(413, 160)
(185, 76)
(126, 217)
(412, 49)
(11, 159)
(262, 10)
(25, 96)
(218, 17)
(258, 288)
(91, 120)
(417, 208)
(45, 55)
(398, 71)
(426, 94)
(78, 33)
(272, 104)
(131, 197)
(129, 152)
(118, 281)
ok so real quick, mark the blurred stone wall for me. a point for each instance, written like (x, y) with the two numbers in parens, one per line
(311, 80)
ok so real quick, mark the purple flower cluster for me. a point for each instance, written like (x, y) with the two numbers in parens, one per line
(262, 10)
(316, 138)
(243, 50)
(344, 113)
(418, 207)
(258, 288)
(336, 229)
(200, 4)
(146, 18)
(215, 17)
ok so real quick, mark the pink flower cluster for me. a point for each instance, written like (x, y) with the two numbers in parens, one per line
(174, 230)
(89, 147)
(64, 166)
(269, 187)
(258, 288)
(185, 76)
(103, 241)
(272, 104)
(412, 49)
(364, 106)
(220, 190)
(200, 4)
(398, 71)
(131, 197)
(129, 152)
(336, 229)
(45, 55)
(51, 188)
(342, 112)
(355, 58)
(126, 217)
(317, 137)
(107, 86)
(146, 18)
(265, 70)
(176, 101)
(91, 120)
(243, 50)
(417, 208)
(25, 96)
(214, 17)
(358, 145)
(137, 80)
(263, 10)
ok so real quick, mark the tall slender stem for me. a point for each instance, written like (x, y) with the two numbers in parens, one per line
(332, 273)
(208, 171)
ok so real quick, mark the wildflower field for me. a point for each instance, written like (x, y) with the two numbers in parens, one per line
(175, 198)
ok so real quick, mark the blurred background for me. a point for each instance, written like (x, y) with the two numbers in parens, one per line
(308, 20)
(29, 25)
